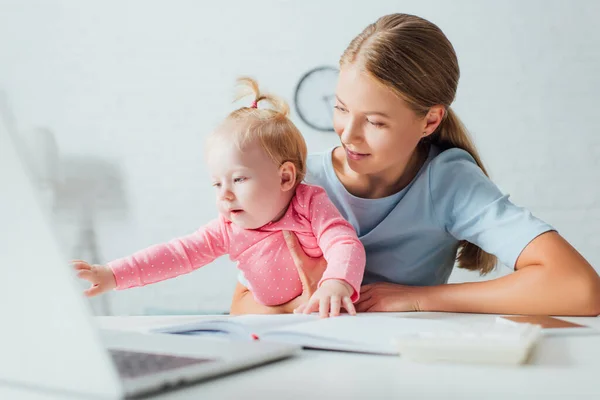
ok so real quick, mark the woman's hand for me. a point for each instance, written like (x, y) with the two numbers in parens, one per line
(310, 270)
(390, 297)
(101, 277)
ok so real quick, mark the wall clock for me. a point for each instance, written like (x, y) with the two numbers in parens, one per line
(315, 97)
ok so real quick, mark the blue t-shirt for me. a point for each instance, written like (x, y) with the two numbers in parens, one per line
(412, 236)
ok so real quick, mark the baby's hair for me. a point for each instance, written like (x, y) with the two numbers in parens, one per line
(249, 87)
(271, 127)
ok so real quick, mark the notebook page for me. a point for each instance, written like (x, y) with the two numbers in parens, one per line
(241, 327)
(258, 323)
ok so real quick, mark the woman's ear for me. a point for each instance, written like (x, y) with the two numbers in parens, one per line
(287, 173)
(433, 119)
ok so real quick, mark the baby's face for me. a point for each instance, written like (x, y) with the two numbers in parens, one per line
(247, 183)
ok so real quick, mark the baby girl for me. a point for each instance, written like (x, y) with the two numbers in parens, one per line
(257, 160)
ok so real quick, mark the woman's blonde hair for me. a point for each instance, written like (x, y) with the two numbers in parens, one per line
(270, 127)
(413, 57)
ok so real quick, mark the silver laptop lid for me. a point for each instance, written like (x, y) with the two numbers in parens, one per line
(47, 339)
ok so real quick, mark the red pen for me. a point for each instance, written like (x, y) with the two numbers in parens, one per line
(254, 336)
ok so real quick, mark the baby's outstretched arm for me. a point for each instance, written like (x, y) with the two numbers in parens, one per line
(160, 262)
(176, 257)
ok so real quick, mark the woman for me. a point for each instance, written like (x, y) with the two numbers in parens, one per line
(410, 181)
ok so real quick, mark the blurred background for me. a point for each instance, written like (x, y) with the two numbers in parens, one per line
(112, 101)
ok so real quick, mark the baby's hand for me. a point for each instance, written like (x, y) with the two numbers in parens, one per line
(101, 277)
(329, 298)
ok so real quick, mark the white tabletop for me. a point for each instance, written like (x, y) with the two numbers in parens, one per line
(565, 366)
(562, 367)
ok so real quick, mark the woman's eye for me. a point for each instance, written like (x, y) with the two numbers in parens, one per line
(239, 180)
(342, 109)
(376, 124)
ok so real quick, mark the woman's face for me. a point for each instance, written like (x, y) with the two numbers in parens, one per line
(378, 130)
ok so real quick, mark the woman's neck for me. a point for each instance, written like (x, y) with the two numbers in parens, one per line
(381, 184)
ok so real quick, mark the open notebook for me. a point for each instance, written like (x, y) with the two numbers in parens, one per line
(502, 342)
(360, 334)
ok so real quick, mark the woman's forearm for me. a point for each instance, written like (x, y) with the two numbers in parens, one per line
(552, 278)
(529, 291)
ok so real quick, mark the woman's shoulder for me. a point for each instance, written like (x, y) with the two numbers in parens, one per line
(469, 205)
(454, 168)
(317, 165)
(458, 187)
(453, 157)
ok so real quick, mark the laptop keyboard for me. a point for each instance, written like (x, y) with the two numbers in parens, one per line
(131, 364)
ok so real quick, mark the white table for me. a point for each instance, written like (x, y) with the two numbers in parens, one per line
(562, 367)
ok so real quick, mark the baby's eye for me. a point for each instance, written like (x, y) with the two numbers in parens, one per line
(216, 184)
(239, 180)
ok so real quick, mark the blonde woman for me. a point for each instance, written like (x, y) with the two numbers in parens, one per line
(411, 182)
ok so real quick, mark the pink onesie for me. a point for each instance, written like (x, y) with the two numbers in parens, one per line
(261, 254)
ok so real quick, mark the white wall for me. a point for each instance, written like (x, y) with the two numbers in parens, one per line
(142, 82)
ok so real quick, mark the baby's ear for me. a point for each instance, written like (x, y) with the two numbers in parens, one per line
(287, 173)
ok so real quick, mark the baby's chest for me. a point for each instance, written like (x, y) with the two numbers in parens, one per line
(271, 248)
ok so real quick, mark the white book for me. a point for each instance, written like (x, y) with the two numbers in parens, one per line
(416, 338)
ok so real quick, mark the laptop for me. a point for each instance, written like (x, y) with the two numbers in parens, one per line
(48, 339)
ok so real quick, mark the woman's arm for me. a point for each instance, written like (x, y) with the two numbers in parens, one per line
(551, 278)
